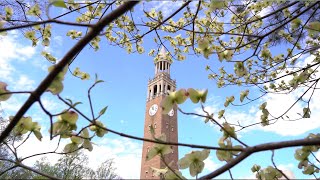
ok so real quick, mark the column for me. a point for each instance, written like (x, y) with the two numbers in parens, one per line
(158, 89)
(162, 66)
(166, 88)
(157, 67)
(162, 87)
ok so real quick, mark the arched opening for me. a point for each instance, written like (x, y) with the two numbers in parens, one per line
(155, 90)
(169, 88)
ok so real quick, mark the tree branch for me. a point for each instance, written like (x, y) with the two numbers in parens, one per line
(258, 148)
(65, 60)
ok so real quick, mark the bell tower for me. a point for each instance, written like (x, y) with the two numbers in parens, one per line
(158, 89)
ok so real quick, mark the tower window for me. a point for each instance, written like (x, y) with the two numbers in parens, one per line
(155, 125)
(167, 125)
(155, 90)
(172, 128)
(148, 149)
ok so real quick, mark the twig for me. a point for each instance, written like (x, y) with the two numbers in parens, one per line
(274, 164)
(64, 61)
(258, 148)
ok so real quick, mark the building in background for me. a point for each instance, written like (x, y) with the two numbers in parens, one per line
(158, 89)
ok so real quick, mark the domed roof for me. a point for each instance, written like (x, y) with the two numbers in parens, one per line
(163, 55)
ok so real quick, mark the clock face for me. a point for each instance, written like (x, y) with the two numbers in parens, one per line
(153, 109)
(171, 113)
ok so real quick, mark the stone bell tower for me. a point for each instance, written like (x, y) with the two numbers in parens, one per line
(158, 89)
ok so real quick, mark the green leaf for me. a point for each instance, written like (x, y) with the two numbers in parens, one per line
(313, 28)
(221, 113)
(194, 95)
(203, 43)
(243, 95)
(3, 89)
(216, 4)
(103, 110)
(184, 163)
(306, 112)
(308, 170)
(37, 134)
(70, 117)
(87, 145)
(75, 104)
(263, 106)
(58, 3)
(99, 81)
(76, 139)
(173, 176)
(224, 155)
(55, 87)
(167, 103)
(85, 133)
(152, 153)
(301, 155)
(85, 76)
(71, 147)
(158, 172)
(255, 168)
(230, 131)
(228, 101)
(196, 168)
(203, 95)
(101, 132)
(181, 96)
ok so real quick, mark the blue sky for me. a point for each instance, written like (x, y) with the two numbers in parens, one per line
(124, 91)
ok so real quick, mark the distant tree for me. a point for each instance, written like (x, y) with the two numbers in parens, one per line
(74, 166)
(71, 166)
(106, 171)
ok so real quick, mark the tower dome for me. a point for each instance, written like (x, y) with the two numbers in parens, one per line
(162, 62)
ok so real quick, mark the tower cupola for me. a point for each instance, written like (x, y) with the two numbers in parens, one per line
(161, 84)
(162, 62)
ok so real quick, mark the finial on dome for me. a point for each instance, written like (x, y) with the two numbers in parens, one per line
(163, 52)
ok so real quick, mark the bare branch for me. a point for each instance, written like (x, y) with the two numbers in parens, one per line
(65, 60)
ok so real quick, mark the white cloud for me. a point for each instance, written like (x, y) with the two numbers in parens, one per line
(277, 104)
(11, 105)
(168, 7)
(34, 146)
(251, 176)
(210, 165)
(24, 83)
(11, 50)
(125, 153)
(58, 40)
(287, 170)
